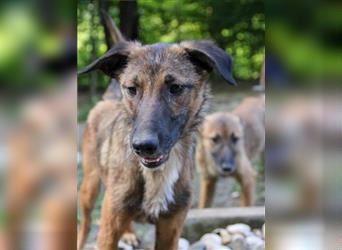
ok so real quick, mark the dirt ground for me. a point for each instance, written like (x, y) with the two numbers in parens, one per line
(224, 98)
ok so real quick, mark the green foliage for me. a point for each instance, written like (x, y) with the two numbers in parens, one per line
(236, 26)
(303, 54)
(26, 45)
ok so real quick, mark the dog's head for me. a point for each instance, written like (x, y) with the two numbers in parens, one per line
(222, 135)
(164, 90)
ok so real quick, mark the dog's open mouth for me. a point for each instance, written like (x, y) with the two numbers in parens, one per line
(153, 162)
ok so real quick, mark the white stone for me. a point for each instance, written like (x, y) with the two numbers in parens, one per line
(238, 242)
(199, 245)
(235, 195)
(258, 233)
(255, 243)
(213, 242)
(124, 246)
(211, 238)
(240, 228)
(225, 235)
(219, 247)
(183, 244)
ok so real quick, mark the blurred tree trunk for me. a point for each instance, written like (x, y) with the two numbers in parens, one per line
(93, 76)
(104, 5)
(129, 18)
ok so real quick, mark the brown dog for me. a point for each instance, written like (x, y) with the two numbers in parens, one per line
(141, 145)
(227, 145)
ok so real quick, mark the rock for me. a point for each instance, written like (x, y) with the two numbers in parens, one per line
(224, 248)
(218, 231)
(183, 244)
(211, 239)
(225, 236)
(240, 228)
(199, 220)
(255, 243)
(219, 247)
(213, 242)
(199, 245)
(91, 246)
(212, 246)
(124, 246)
(235, 195)
(258, 233)
(238, 242)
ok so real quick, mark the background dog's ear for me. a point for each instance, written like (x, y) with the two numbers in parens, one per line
(206, 55)
(112, 62)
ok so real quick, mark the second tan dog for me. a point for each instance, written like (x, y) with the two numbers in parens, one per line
(228, 143)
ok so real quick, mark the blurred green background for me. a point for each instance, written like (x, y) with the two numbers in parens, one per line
(304, 39)
(236, 26)
(37, 45)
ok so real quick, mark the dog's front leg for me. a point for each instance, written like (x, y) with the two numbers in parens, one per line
(169, 228)
(207, 191)
(247, 180)
(129, 236)
(113, 223)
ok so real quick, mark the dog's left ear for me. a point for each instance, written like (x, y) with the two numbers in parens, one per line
(206, 55)
(112, 62)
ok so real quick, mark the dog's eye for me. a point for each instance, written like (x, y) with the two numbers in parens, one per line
(234, 138)
(132, 91)
(176, 89)
(216, 139)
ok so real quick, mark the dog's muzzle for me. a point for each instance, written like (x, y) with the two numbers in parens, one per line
(148, 150)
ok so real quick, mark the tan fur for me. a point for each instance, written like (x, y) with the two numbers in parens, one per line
(247, 123)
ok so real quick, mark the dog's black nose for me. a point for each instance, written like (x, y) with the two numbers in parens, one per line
(145, 145)
(228, 166)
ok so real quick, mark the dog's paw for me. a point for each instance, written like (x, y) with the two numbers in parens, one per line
(130, 239)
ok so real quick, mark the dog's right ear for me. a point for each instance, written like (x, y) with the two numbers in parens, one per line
(208, 56)
(112, 62)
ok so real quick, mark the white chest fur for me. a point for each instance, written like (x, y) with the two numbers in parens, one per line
(159, 186)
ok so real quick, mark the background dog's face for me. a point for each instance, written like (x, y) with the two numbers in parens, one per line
(222, 135)
(164, 90)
